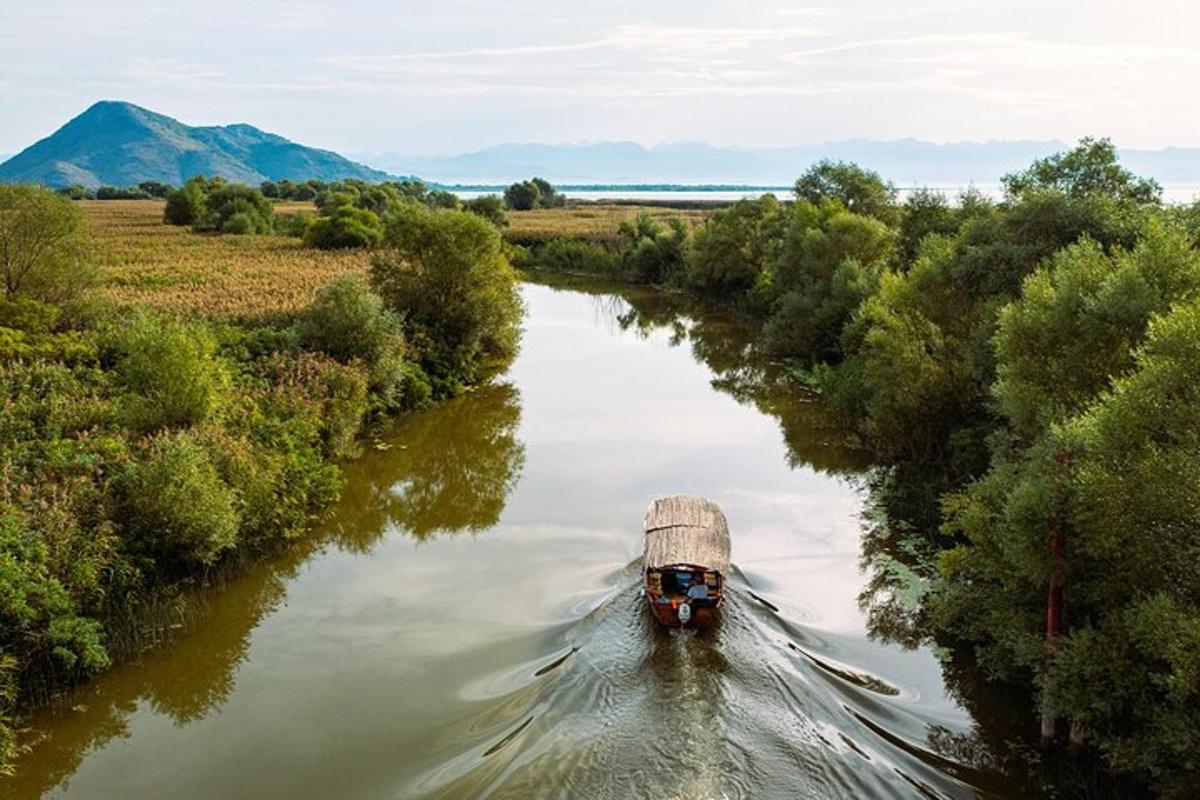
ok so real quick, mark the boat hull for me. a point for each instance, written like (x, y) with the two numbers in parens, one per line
(668, 614)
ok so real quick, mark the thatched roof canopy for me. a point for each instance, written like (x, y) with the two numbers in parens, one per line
(686, 529)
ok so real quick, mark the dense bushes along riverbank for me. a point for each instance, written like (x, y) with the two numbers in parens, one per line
(142, 450)
(1031, 369)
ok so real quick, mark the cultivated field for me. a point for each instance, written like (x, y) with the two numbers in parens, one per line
(169, 267)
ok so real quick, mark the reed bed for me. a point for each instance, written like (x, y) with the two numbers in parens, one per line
(146, 262)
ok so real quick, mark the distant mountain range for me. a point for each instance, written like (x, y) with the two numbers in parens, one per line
(120, 144)
(906, 162)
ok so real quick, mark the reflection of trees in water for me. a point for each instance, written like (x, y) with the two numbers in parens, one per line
(900, 532)
(450, 468)
(184, 679)
(724, 343)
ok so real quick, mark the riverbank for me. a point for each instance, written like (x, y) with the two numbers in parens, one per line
(194, 412)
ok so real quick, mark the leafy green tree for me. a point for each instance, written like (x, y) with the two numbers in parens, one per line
(1090, 168)
(548, 196)
(346, 227)
(925, 212)
(827, 263)
(44, 252)
(154, 188)
(860, 190)
(232, 208)
(1078, 318)
(522, 196)
(490, 207)
(350, 322)
(731, 252)
(185, 205)
(446, 273)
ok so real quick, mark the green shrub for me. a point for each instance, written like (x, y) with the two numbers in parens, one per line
(346, 227)
(653, 252)
(577, 257)
(170, 370)
(349, 322)
(293, 224)
(175, 509)
(28, 315)
(39, 614)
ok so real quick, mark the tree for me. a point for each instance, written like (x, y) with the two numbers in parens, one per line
(490, 207)
(185, 205)
(1090, 168)
(730, 253)
(828, 261)
(446, 273)
(522, 196)
(860, 190)
(548, 196)
(1078, 319)
(44, 251)
(232, 208)
(924, 212)
(172, 371)
(346, 227)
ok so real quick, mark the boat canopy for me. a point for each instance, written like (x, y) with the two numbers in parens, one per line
(686, 529)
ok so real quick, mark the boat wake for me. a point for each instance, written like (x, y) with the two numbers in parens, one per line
(757, 705)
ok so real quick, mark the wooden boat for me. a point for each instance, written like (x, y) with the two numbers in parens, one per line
(685, 560)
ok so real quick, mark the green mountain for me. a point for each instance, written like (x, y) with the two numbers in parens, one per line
(120, 144)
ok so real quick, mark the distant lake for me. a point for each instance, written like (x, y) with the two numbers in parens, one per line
(1171, 194)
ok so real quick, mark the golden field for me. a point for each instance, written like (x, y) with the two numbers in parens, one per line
(148, 262)
(597, 222)
(169, 267)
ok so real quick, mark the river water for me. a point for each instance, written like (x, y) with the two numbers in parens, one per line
(468, 622)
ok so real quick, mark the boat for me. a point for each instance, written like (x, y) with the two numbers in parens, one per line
(686, 560)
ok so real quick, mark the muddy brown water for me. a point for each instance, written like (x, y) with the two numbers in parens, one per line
(468, 622)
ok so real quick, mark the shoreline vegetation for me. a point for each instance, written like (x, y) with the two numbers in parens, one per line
(1023, 371)
(175, 404)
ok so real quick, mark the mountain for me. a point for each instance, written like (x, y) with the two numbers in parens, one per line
(120, 144)
(906, 162)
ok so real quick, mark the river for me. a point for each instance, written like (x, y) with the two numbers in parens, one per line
(467, 624)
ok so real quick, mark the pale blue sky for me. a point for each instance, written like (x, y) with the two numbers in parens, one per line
(452, 75)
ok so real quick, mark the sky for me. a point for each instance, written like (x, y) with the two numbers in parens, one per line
(456, 75)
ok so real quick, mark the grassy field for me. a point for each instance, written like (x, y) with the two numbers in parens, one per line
(169, 267)
(174, 269)
(595, 222)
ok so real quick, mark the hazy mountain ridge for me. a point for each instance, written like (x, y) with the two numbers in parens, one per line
(907, 162)
(120, 144)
